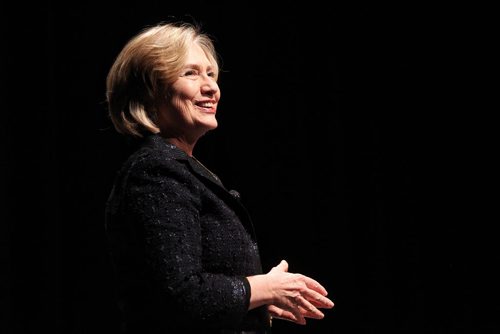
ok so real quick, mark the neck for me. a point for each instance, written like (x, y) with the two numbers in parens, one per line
(184, 145)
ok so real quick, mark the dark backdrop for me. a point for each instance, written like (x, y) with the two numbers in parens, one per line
(339, 126)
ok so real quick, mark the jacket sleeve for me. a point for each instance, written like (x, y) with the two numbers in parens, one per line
(164, 199)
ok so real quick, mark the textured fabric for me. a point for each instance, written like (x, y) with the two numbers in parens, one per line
(182, 246)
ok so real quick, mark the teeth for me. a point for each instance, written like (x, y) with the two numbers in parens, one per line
(205, 105)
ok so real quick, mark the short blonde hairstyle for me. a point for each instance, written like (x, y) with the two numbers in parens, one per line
(144, 69)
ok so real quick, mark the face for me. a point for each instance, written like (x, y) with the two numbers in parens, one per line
(191, 105)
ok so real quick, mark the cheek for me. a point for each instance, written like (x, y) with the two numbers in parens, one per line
(179, 107)
(185, 90)
(181, 99)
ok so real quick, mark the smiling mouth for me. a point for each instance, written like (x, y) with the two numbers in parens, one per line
(205, 104)
(208, 107)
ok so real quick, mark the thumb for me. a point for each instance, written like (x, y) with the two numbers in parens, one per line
(282, 266)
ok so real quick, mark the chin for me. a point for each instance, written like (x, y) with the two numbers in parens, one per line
(212, 124)
(208, 126)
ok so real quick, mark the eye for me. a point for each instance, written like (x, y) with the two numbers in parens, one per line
(211, 74)
(190, 73)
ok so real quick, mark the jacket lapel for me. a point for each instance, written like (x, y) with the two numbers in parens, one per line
(231, 197)
(204, 172)
(210, 179)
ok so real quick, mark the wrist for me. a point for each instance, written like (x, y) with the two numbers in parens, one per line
(260, 291)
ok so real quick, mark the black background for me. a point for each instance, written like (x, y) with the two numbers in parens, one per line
(349, 130)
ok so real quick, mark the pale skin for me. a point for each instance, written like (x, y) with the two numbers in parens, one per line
(187, 113)
(190, 108)
(289, 296)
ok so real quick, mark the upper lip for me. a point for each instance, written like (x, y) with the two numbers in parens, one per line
(206, 103)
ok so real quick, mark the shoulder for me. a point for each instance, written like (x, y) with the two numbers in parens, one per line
(155, 153)
(155, 162)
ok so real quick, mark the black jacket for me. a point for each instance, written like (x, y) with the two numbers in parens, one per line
(181, 245)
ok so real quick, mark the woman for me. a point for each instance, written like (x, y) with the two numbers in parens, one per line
(183, 246)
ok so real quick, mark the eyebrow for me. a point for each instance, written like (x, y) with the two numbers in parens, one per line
(198, 67)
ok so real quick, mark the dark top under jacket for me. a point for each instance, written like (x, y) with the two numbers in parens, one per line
(181, 245)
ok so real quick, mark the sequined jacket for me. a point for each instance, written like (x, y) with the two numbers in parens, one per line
(181, 246)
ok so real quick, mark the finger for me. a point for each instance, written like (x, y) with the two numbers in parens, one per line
(322, 304)
(280, 313)
(310, 308)
(275, 311)
(282, 266)
(314, 285)
(309, 314)
(317, 299)
(294, 308)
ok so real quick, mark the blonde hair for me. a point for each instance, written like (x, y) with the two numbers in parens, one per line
(144, 69)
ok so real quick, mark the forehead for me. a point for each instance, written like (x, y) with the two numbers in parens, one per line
(197, 56)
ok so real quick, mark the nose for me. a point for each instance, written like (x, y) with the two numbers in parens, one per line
(209, 85)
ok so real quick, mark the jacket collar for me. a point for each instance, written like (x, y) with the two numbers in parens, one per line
(157, 142)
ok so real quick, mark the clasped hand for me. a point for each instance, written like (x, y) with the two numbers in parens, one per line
(295, 296)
